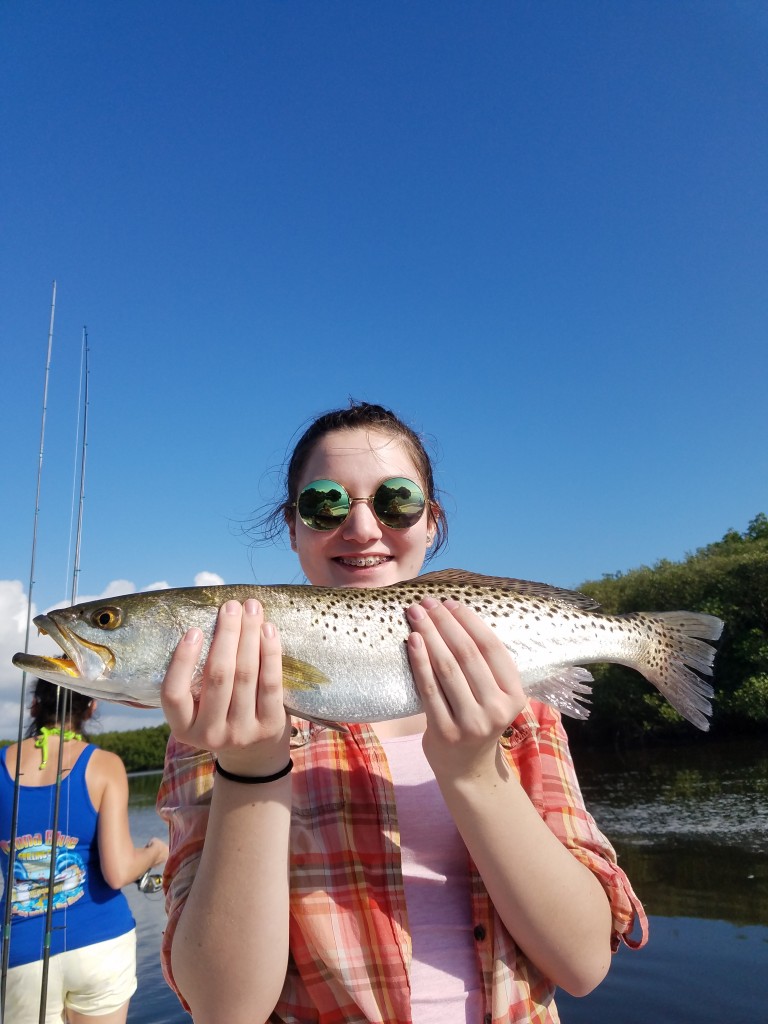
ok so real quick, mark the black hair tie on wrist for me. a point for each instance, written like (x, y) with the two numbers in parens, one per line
(254, 780)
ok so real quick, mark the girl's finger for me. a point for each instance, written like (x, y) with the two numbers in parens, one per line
(176, 689)
(242, 705)
(219, 672)
(491, 648)
(436, 705)
(455, 660)
(269, 698)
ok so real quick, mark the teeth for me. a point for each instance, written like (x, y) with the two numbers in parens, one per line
(363, 562)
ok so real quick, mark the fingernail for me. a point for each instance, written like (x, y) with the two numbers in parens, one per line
(450, 603)
(416, 613)
(231, 608)
(430, 602)
(193, 636)
(252, 606)
(268, 630)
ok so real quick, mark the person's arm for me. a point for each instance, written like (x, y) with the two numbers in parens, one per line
(553, 906)
(121, 862)
(235, 918)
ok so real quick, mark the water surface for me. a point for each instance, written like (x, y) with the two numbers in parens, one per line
(690, 826)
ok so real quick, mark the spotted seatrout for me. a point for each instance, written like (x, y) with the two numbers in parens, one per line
(344, 654)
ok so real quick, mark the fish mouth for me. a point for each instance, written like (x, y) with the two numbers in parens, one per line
(55, 670)
(81, 659)
(84, 666)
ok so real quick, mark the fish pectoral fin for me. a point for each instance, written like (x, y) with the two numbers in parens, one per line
(300, 675)
(564, 690)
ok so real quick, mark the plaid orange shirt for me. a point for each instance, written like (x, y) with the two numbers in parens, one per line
(349, 942)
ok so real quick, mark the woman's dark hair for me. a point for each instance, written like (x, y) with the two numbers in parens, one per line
(270, 523)
(47, 703)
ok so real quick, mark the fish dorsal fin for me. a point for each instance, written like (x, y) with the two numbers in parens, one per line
(526, 588)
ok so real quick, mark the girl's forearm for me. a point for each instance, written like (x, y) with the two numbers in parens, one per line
(141, 859)
(230, 949)
(551, 903)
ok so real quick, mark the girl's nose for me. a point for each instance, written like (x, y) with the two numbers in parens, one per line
(361, 524)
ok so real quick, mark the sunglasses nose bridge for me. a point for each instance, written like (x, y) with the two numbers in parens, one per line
(357, 524)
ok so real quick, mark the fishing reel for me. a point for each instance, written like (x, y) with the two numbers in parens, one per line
(149, 882)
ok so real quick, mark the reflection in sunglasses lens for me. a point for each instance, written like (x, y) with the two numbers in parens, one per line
(397, 503)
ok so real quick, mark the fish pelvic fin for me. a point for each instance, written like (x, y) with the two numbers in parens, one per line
(685, 659)
(565, 691)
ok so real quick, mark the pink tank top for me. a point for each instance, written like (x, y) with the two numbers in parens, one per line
(445, 980)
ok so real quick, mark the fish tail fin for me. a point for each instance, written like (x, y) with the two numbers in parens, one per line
(565, 690)
(686, 658)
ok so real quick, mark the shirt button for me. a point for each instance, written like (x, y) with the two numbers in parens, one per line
(479, 932)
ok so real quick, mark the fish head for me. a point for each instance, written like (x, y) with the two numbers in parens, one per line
(116, 648)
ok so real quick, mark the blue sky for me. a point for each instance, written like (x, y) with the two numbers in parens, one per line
(536, 230)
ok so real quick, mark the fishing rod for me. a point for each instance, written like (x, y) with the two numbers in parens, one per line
(6, 943)
(64, 702)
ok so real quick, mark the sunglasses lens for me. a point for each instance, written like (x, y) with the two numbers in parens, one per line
(323, 505)
(399, 503)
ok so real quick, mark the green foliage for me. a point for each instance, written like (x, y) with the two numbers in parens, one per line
(140, 749)
(728, 578)
(750, 701)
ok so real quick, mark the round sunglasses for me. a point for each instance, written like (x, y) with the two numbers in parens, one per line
(397, 503)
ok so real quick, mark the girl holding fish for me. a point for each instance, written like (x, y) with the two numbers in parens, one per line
(439, 867)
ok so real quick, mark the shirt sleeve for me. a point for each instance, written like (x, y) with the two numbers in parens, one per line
(539, 749)
(183, 802)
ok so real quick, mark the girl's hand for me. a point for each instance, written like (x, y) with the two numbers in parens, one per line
(240, 714)
(468, 684)
(159, 850)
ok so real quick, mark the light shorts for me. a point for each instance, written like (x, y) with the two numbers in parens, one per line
(92, 980)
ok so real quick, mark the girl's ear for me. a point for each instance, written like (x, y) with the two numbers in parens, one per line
(434, 515)
(290, 519)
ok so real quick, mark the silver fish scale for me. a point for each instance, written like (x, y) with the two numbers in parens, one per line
(356, 639)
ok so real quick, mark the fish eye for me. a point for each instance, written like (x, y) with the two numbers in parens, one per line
(107, 617)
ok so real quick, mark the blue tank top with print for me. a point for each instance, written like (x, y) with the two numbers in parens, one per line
(85, 909)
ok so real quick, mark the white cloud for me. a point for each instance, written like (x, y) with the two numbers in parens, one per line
(13, 623)
(208, 579)
(160, 585)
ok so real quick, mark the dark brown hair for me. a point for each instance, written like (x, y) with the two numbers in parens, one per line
(48, 700)
(269, 524)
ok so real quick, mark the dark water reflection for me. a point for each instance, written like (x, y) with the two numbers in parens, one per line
(690, 826)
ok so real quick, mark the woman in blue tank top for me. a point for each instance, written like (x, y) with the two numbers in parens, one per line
(92, 966)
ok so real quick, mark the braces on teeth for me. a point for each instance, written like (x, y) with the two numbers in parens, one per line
(370, 560)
